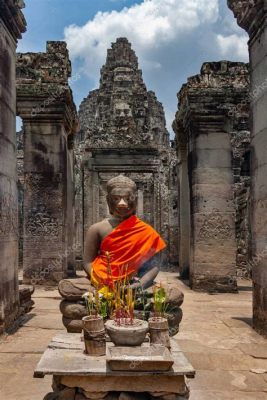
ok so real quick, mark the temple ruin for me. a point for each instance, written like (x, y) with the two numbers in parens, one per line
(123, 131)
(213, 138)
(205, 192)
(45, 104)
(12, 25)
(252, 16)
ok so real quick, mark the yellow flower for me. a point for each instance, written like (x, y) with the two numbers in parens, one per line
(106, 293)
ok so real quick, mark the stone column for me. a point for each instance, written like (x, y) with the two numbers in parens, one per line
(205, 122)
(12, 24)
(252, 16)
(45, 103)
(184, 201)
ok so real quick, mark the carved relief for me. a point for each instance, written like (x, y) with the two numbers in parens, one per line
(40, 222)
(122, 113)
(215, 226)
(44, 188)
(8, 215)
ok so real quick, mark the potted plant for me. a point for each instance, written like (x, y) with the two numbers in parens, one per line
(123, 328)
(93, 325)
(158, 324)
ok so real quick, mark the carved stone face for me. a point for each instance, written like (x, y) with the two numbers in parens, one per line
(122, 113)
(122, 202)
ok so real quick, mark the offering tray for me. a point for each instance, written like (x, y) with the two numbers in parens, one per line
(140, 358)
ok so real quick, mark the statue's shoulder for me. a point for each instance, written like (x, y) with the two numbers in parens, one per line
(101, 229)
(99, 225)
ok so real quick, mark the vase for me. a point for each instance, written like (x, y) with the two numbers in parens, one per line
(127, 335)
(94, 335)
(159, 331)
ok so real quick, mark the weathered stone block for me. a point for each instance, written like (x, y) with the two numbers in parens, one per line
(212, 176)
(213, 283)
(215, 225)
(207, 198)
(207, 158)
(73, 310)
(72, 325)
(260, 306)
(215, 253)
(12, 24)
(259, 114)
(145, 383)
(258, 50)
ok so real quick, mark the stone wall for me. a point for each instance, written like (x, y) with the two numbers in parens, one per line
(20, 172)
(212, 137)
(123, 131)
(12, 24)
(45, 104)
(252, 16)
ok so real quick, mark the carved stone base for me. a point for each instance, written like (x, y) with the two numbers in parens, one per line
(79, 394)
(213, 284)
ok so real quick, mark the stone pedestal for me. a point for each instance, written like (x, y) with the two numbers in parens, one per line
(44, 102)
(12, 24)
(78, 377)
(206, 121)
(252, 16)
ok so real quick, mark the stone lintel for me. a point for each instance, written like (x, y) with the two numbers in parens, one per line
(11, 14)
(250, 14)
(142, 150)
(48, 109)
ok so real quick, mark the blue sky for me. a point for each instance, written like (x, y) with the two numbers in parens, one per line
(172, 38)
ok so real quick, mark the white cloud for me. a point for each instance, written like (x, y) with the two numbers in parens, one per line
(171, 38)
(233, 46)
(149, 25)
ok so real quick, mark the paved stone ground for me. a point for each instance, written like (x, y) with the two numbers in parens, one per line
(216, 336)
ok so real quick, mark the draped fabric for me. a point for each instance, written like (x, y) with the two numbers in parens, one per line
(124, 250)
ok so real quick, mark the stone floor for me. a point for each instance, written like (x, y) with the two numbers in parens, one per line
(216, 336)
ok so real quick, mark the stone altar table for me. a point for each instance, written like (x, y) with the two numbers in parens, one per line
(77, 376)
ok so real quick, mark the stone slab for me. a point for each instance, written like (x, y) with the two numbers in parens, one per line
(141, 383)
(255, 350)
(44, 320)
(27, 340)
(59, 360)
(16, 382)
(230, 381)
(225, 395)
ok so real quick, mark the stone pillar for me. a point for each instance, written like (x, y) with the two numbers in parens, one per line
(252, 16)
(184, 201)
(12, 24)
(207, 104)
(45, 103)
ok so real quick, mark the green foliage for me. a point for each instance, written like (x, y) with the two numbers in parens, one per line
(159, 300)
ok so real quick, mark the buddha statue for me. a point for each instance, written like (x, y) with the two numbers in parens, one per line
(120, 247)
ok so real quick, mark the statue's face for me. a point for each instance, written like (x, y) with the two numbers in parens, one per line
(122, 202)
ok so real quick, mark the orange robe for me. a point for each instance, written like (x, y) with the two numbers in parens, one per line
(124, 251)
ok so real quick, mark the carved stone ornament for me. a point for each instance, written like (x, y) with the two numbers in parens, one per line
(41, 223)
(122, 112)
(215, 226)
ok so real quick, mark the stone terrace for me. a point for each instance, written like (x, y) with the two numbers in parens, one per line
(216, 336)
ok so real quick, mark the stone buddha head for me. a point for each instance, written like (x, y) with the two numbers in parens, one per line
(121, 197)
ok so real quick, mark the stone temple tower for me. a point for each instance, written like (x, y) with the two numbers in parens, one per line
(123, 131)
